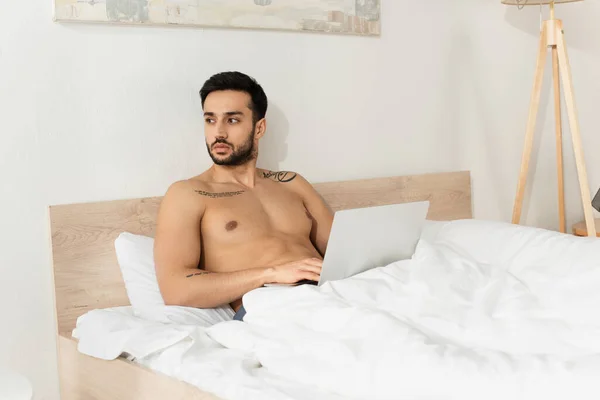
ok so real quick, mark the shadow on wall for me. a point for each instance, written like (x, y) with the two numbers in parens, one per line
(272, 150)
(581, 27)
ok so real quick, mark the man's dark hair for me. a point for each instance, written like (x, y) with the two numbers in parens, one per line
(239, 82)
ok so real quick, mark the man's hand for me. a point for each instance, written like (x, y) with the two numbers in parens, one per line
(309, 268)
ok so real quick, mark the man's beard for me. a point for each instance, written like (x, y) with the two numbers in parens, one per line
(238, 156)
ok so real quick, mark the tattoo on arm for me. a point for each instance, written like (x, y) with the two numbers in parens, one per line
(197, 273)
(218, 195)
(281, 176)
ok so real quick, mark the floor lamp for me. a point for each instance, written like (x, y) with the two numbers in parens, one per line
(552, 36)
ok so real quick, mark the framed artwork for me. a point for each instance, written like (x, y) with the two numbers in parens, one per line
(359, 17)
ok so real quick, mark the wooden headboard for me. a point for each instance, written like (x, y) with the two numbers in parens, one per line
(86, 272)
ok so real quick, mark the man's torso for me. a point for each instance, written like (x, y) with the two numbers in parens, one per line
(245, 228)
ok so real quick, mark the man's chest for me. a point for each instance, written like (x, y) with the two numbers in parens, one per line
(246, 215)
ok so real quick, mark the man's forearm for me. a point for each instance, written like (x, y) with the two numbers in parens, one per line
(204, 289)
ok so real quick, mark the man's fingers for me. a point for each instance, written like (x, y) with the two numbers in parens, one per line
(311, 276)
(312, 268)
(314, 261)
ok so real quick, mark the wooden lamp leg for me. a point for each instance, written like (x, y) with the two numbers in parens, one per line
(565, 72)
(533, 111)
(559, 146)
(562, 220)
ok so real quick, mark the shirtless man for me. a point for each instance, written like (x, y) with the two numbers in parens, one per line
(236, 227)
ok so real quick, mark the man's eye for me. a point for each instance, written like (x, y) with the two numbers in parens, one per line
(233, 120)
(209, 120)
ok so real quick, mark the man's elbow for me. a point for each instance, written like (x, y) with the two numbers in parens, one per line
(172, 295)
(174, 298)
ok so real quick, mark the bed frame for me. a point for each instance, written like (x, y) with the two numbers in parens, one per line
(87, 275)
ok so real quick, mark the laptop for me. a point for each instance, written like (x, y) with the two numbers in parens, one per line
(370, 237)
(596, 201)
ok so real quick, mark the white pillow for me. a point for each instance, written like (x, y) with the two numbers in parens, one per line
(135, 255)
(431, 228)
(560, 269)
(495, 242)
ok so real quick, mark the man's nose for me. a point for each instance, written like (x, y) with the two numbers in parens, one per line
(221, 129)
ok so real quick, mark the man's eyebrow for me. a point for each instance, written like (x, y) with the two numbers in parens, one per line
(228, 113)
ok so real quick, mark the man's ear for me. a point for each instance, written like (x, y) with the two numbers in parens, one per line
(260, 129)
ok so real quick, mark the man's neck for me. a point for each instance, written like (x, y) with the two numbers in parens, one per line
(244, 175)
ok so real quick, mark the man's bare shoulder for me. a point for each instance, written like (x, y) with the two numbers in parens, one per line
(279, 176)
(289, 179)
(185, 192)
(185, 188)
(200, 188)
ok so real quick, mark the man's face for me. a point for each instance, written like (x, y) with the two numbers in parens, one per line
(229, 127)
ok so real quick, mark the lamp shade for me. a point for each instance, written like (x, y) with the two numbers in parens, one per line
(534, 2)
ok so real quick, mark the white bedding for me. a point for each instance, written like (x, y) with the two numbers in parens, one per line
(469, 317)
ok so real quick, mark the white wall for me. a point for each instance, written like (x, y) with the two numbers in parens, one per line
(492, 67)
(92, 112)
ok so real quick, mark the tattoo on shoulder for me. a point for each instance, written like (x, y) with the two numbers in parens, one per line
(280, 176)
(218, 195)
(198, 273)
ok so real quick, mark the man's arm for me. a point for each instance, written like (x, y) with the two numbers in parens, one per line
(177, 250)
(320, 212)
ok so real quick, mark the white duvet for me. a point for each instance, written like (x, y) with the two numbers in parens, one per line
(509, 313)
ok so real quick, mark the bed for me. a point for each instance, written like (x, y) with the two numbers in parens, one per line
(481, 309)
(87, 277)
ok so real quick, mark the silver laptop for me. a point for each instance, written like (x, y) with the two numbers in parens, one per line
(371, 237)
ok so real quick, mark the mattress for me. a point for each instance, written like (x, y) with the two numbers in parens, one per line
(481, 310)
